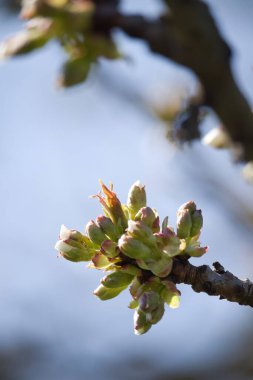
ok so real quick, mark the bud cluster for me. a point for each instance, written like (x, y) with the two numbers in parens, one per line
(129, 243)
(71, 24)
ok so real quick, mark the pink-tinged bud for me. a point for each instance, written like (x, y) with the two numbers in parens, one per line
(190, 206)
(136, 198)
(100, 261)
(134, 248)
(196, 251)
(140, 231)
(72, 246)
(110, 248)
(184, 223)
(107, 227)
(149, 301)
(95, 233)
(149, 217)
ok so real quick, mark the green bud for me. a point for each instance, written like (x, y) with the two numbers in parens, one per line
(104, 293)
(95, 233)
(149, 301)
(131, 269)
(149, 217)
(170, 294)
(72, 246)
(136, 198)
(190, 206)
(107, 226)
(110, 248)
(140, 231)
(161, 267)
(157, 314)
(197, 223)
(75, 71)
(141, 325)
(134, 248)
(184, 223)
(100, 261)
(117, 279)
(195, 250)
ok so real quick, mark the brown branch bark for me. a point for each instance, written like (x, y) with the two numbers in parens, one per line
(214, 282)
(189, 36)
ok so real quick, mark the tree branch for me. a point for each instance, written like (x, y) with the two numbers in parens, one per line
(189, 36)
(216, 282)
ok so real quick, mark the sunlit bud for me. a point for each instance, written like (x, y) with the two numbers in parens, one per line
(136, 198)
(95, 233)
(117, 279)
(110, 248)
(170, 294)
(134, 248)
(134, 287)
(148, 216)
(107, 226)
(217, 138)
(26, 41)
(104, 293)
(197, 222)
(100, 261)
(140, 231)
(196, 251)
(72, 246)
(184, 223)
(149, 301)
(141, 325)
(131, 269)
(190, 205)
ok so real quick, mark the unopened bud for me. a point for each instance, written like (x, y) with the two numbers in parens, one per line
(100, 261)
(149, 301)
(196, 251)
(136, 198)
(134, 248)
(104, 293)
(170, 294)
(156, 315)
(72, 246)
(161, 267)
(149, 217)
(140, 231)
(107, 226)
(217, 138)
(141, 325)
(75, 71)
(184, 223)
(95, 233)
(117, 279)
(190, 205)
(197, 223)
(110, 248)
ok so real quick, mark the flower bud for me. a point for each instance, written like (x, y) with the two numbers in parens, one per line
(196, 250)
(149, 301)
(104, 293)
(141, 325)
(110, 248)
(149, 217)
(74, 71)
(197, 223)
(161, 267)
(107, 226)
(184, 223)
(95, 233)
(156, 315)
(217, 138)
(100, 261)
(140, 231)
(134, 248)
(72, 246)
(117, 279)
(136, 198)
(170, 294)
(190, 206)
